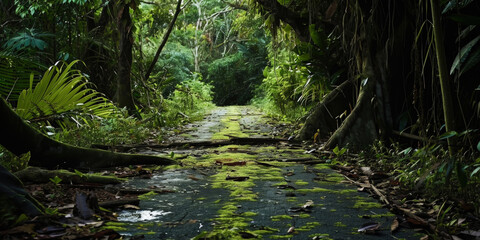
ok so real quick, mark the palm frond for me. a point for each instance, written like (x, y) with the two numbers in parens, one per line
(63, 93)
(15, 74)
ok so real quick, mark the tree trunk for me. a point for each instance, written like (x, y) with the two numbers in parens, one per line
(360, 127)
(448, 112)
(324, 115)
(13, 195)
(124, 88)
(18, 137)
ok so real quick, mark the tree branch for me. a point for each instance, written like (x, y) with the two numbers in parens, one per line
(288, 16)
(164, 41)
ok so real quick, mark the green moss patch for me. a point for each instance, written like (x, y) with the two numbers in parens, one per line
(281, 218)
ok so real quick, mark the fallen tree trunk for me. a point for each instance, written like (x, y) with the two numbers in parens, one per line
(18, 137)
(38, 175)
(231, 141)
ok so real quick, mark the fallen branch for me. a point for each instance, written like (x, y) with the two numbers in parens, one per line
(39, 175)
(379, 194)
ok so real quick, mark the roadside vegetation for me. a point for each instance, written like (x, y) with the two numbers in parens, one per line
(367, 82)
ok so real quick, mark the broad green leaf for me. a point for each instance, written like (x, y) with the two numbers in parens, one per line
(471, 62)
(463, 54)
(478, 146)
(475, 171)
(447, 135)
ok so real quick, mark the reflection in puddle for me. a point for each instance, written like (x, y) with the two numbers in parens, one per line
(141, 215)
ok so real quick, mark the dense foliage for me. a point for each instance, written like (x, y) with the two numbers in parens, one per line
(283, 56)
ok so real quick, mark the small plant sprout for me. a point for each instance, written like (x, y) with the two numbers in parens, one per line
(55, 180)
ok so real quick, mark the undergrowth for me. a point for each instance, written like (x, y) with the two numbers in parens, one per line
(429, 170)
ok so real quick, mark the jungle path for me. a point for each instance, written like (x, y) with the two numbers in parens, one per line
(249, 189)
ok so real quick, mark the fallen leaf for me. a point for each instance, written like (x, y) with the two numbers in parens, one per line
(394, 226)
(130, 206)
(285, 186)
(308, 204)
(289, 174)
(471, 233)
(193, 178)
(369, 228)
(367, 171)
(424, 237)
(291, 230)
(460, 221)
(26, 228)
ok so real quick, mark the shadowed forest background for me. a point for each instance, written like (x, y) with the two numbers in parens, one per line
(394, 82)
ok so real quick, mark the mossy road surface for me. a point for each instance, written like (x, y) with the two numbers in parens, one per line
(250, 191)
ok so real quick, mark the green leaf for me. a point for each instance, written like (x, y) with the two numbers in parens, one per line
(478, 146)
(471, 62)
(314, 35)
(461, 175)
(79, 173)
(406, 151)
(463, 54)
(475, 171)
(56, 180)
(447, 135)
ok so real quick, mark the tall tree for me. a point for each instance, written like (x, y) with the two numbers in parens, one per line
(383, 78)
(125, 29)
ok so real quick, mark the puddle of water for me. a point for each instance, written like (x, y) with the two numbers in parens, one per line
(141, 215)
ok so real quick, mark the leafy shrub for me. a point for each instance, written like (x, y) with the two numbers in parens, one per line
(281, 88)
(110, 131)
(189, 100)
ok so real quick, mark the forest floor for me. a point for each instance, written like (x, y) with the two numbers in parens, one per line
(237, 177)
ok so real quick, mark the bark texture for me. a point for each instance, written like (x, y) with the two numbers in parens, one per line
(18, 137)
(124, 90)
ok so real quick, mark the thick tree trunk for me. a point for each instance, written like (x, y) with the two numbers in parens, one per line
(124, 88)
(18, 137)
(360, 127)
(324, 116)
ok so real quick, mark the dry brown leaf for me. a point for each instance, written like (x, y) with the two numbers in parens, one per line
(395, 225)
(193, 178)
(130, 206)
(424, 237)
